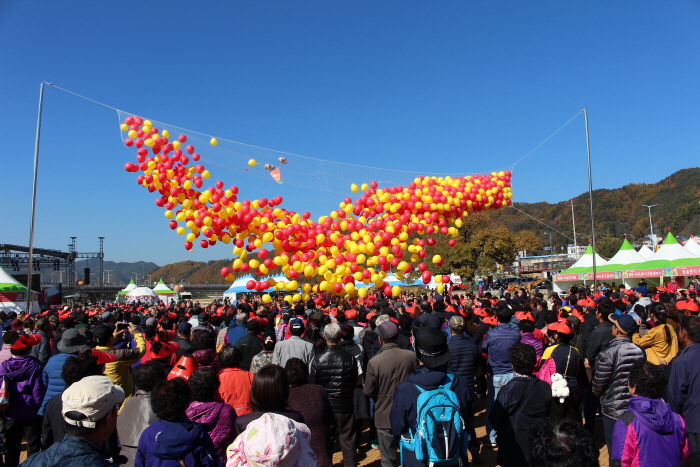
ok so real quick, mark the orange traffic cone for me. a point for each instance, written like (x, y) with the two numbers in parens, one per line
(184, 368)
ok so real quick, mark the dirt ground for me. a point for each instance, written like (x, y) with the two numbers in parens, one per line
(370, 457)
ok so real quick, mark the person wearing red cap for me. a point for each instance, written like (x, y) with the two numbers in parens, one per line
(22, 377)
(563, 358)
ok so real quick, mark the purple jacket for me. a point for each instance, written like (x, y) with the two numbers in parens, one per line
(648, 434)
(529, 338)
(207, 358)
(23, 375)
(221, 419)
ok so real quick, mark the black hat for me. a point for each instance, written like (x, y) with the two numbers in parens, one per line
(431, 347)
(252, 325)
(71, 341)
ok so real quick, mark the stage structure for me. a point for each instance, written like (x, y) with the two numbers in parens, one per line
(15, 258)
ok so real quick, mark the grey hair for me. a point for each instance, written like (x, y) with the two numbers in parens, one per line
(332, 333)
(241, 318)
(382, 319)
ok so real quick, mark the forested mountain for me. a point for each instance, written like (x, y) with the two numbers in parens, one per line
(617, 212)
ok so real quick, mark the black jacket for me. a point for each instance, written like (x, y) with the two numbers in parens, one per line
(520, 404)
(336, 370)
(589, 323)
(464, 358)
(601, 335)
(612, 367)
(250, 346)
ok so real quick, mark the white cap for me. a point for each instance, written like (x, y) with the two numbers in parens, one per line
(92, 396)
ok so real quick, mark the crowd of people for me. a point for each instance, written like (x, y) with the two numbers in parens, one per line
(248, 383)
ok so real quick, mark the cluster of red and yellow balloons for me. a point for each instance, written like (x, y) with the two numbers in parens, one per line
(359, 241)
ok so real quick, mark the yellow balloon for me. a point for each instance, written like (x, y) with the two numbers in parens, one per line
(166, 134)
(296, 297)
(266, 298)
(362, 292)
(214, 142)
(349, 287)
(437, 259)
(395, 290)
(252, 162)
(364, 187)
(440, 288)
(124, 127)
(354, 188)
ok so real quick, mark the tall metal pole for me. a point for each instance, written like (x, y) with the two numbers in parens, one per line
(651, 225)
(573, 224)
(590, 196)
(36, 171)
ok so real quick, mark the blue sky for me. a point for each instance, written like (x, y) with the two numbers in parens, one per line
(419, 86)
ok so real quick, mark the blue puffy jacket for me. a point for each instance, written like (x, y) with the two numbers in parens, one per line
(165, 444)
(71, 452)
(497, 344)
(464, 358)
(52, 377)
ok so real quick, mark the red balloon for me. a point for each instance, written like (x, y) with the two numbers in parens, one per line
(250, 285)
(225, 272)
(182, 138)
(173, 225)
(189, 149)
(338, 287)
(129, 167)
(188, 245)
(129, 142)
(445, 279)
(204, 244)
(195, 157)
(452, 242)
(426, 276)
(262, 254)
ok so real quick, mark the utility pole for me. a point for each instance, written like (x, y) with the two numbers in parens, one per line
(590, 196)
(573, 224)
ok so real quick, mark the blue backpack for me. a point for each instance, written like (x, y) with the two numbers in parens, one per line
(440, 438)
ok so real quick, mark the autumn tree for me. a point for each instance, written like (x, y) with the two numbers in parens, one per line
(480, 245)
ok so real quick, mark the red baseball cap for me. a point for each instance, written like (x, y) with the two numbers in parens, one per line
(492, 320)
(521, 315)
(25, 341)
(103, 357)
(560, 327)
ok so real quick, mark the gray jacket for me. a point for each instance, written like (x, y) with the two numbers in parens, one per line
(613, 366)
(385, 371)
(294, 347)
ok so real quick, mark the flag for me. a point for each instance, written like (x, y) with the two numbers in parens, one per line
(276, 175)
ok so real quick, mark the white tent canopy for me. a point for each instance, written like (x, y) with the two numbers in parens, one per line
(693, 246)
(645, 252)
(142, 294)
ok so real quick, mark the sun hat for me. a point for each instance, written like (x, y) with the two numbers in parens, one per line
(103, 357)
(71, 341)
(272, 440)
(92, 396)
